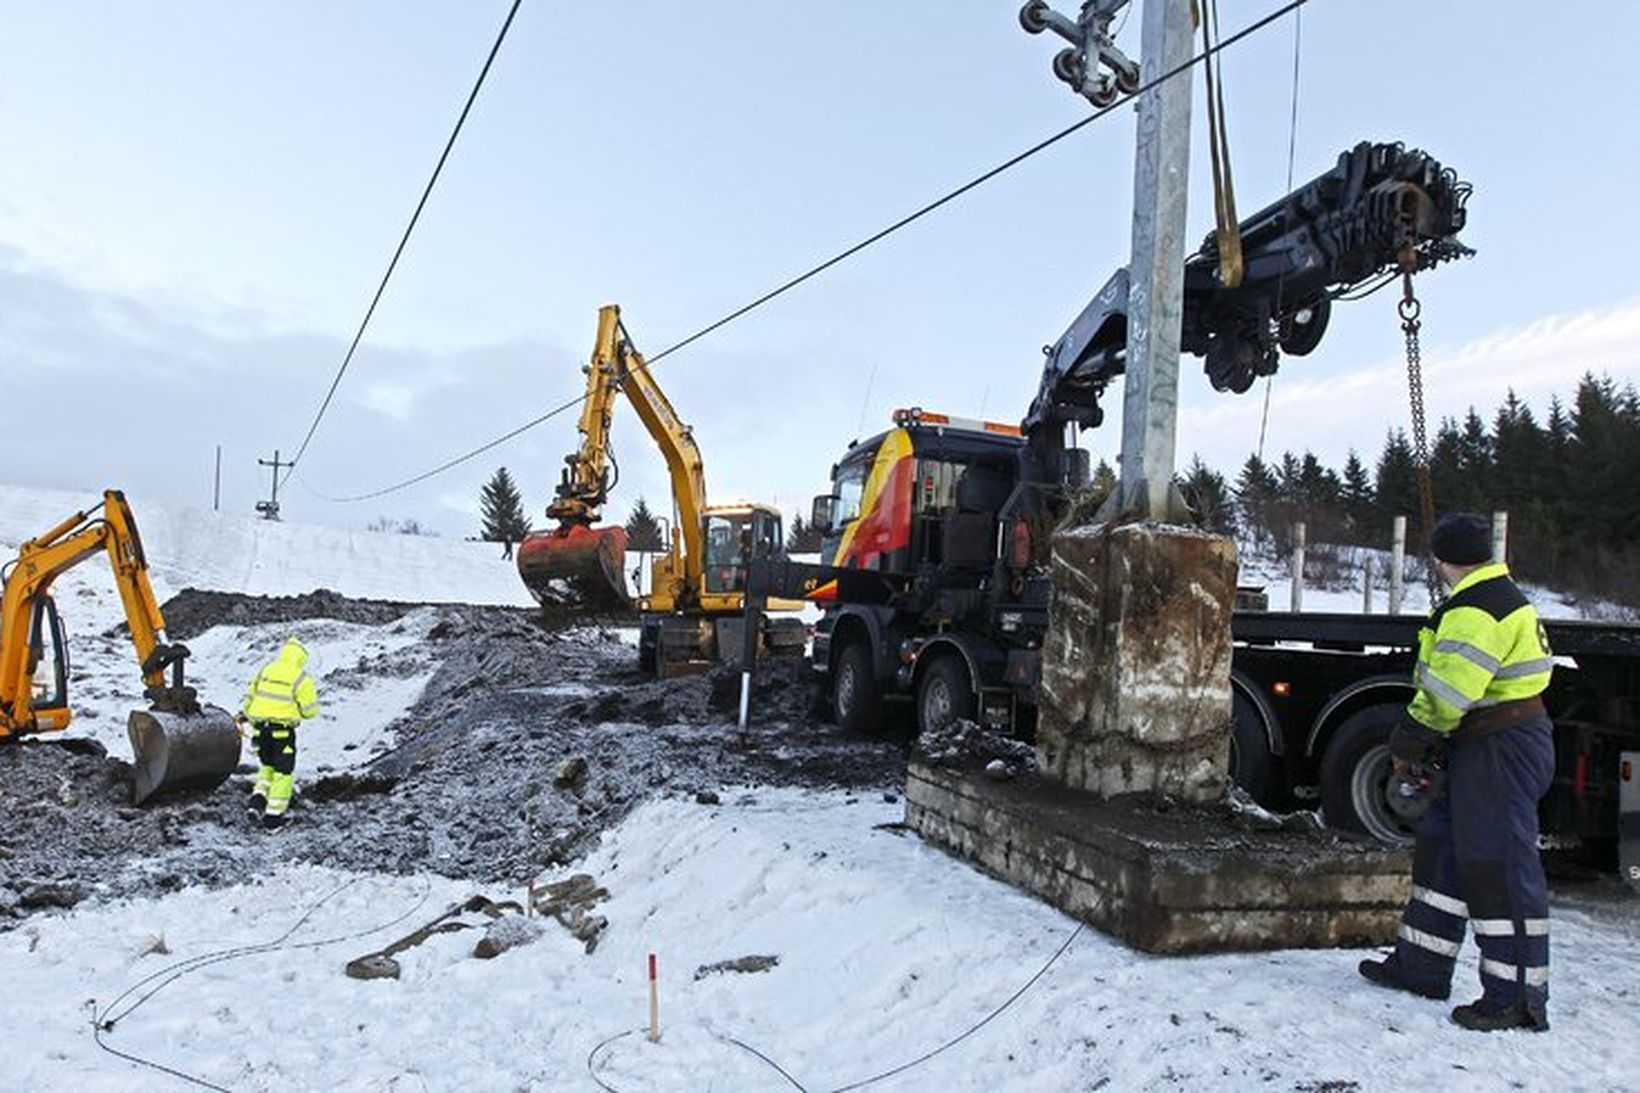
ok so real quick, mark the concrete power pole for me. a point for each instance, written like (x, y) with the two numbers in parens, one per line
(1161, 177)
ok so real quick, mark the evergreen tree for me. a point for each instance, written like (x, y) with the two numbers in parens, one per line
(643, 530)
(1208, 497)
(502, 510)
(1356, 498)
(1395, 483)
(1256, 496)
(1454, 492)
(803, 537)
(1476, 454)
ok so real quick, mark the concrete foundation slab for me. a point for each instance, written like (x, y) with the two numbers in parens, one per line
(1164, 879)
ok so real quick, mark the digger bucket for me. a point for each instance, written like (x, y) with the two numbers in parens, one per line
(584, 562)
(181, 751)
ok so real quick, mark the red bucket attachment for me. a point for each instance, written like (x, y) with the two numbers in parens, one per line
(576, 564)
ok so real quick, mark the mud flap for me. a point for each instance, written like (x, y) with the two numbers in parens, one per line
(181, 751)
(1628, 817)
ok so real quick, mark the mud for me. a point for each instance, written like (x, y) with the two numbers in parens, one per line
(471, 787)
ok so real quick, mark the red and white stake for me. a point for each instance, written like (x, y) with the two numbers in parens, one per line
(654, 1005)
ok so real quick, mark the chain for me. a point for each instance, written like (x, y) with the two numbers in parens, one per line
(1411, 310)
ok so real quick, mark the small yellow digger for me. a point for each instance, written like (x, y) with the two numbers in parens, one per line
(177, 742)
(693, 615)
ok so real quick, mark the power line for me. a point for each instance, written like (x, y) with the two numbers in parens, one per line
(876, 237)
(405, 238)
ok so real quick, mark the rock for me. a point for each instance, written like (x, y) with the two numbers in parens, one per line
(744, 964)
(571, 774)
(998, 771)
(507, 932)
(62, 894)
(707, 797)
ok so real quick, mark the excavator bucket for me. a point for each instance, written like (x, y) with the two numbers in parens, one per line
(586, 562)
(181, 751)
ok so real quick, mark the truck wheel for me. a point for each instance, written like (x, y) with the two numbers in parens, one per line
(1252, 767)
(1355, 774)
(854, 694)
(944, 694)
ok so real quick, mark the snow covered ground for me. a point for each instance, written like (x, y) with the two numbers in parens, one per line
(887, 949)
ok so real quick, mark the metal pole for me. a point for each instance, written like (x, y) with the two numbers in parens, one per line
(216, 488)
(1397, 565)
(1366, 586)
(1156, 294)
(1500, 536)
(1298, 567)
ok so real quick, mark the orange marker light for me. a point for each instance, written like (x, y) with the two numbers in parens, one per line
(1281, 688)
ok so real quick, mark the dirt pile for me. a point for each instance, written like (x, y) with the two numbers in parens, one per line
(471, 787)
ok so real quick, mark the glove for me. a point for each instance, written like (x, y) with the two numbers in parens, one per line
(1411, 741)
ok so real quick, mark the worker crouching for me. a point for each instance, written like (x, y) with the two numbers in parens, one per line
(281, 697)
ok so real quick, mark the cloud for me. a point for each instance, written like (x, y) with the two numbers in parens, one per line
(1356, 407)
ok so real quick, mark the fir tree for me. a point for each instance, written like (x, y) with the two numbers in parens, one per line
(803, 538)
(1256, 495)
(1356, 498)
(1395, 483)
(643, 530)
(501, 509)
(1208, 497)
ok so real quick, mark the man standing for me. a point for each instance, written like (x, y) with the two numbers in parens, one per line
(1483, 663)
(280, 697)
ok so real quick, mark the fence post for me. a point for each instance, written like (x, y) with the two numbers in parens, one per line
(1298, 567)
(1500, 536)
(1397, 565)
(1366, 586)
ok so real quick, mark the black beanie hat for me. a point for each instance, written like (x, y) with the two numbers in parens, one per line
(1461, 538)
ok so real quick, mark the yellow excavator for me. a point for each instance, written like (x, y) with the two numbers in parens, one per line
(177, 742)
(692, 616)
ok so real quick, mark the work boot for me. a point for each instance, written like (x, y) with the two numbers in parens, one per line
(1388, 973)
(1484, 1018)
(273, 821)
(257, 804)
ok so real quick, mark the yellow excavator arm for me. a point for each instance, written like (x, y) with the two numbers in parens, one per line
(177, 741)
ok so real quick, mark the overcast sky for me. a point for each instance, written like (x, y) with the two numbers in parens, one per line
(198, 199)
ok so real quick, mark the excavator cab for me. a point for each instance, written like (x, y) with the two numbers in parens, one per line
(48, 662)
(733, 536)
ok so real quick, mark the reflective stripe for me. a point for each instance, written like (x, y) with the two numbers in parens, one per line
(1537, 927)
(1493, 927)
(1440, 901)
(1526, 668)
(1475, 655)
(1535, 977)
(273, 696)
(1438, 945)
(1443, 690)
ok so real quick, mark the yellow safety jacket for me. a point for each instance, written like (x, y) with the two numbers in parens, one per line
(282, 692)
(1482, 647)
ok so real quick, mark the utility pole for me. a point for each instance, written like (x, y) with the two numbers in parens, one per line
(1098, 71)
(1161, 175)
(216, 485)
(270, 508)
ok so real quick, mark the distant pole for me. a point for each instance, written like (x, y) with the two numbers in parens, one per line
(1500, 536)
(216, 488)
(1397, 565)
(270, 508)
(1366, 586)
(1150, 399)
(1298, 567)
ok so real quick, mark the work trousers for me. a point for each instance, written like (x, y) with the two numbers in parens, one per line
(1476, 862)
(276, 749)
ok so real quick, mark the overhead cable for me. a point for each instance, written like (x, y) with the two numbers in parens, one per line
(876, 237)
(426, 192)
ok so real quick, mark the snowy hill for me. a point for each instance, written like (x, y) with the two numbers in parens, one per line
(898, 968)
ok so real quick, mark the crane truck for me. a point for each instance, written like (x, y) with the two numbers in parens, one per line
(934, 575)
(177, 742)
(692, 616)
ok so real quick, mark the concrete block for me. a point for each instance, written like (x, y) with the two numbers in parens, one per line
(1164, 879)
(1135, 693)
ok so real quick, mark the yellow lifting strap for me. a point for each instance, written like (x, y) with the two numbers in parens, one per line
(1228, 234)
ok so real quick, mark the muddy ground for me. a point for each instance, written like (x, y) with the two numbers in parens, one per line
(534, 735)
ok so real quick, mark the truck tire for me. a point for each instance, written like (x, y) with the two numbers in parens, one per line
(1252, 767)
(1355, 772)
(944, 694)
(854, 694)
